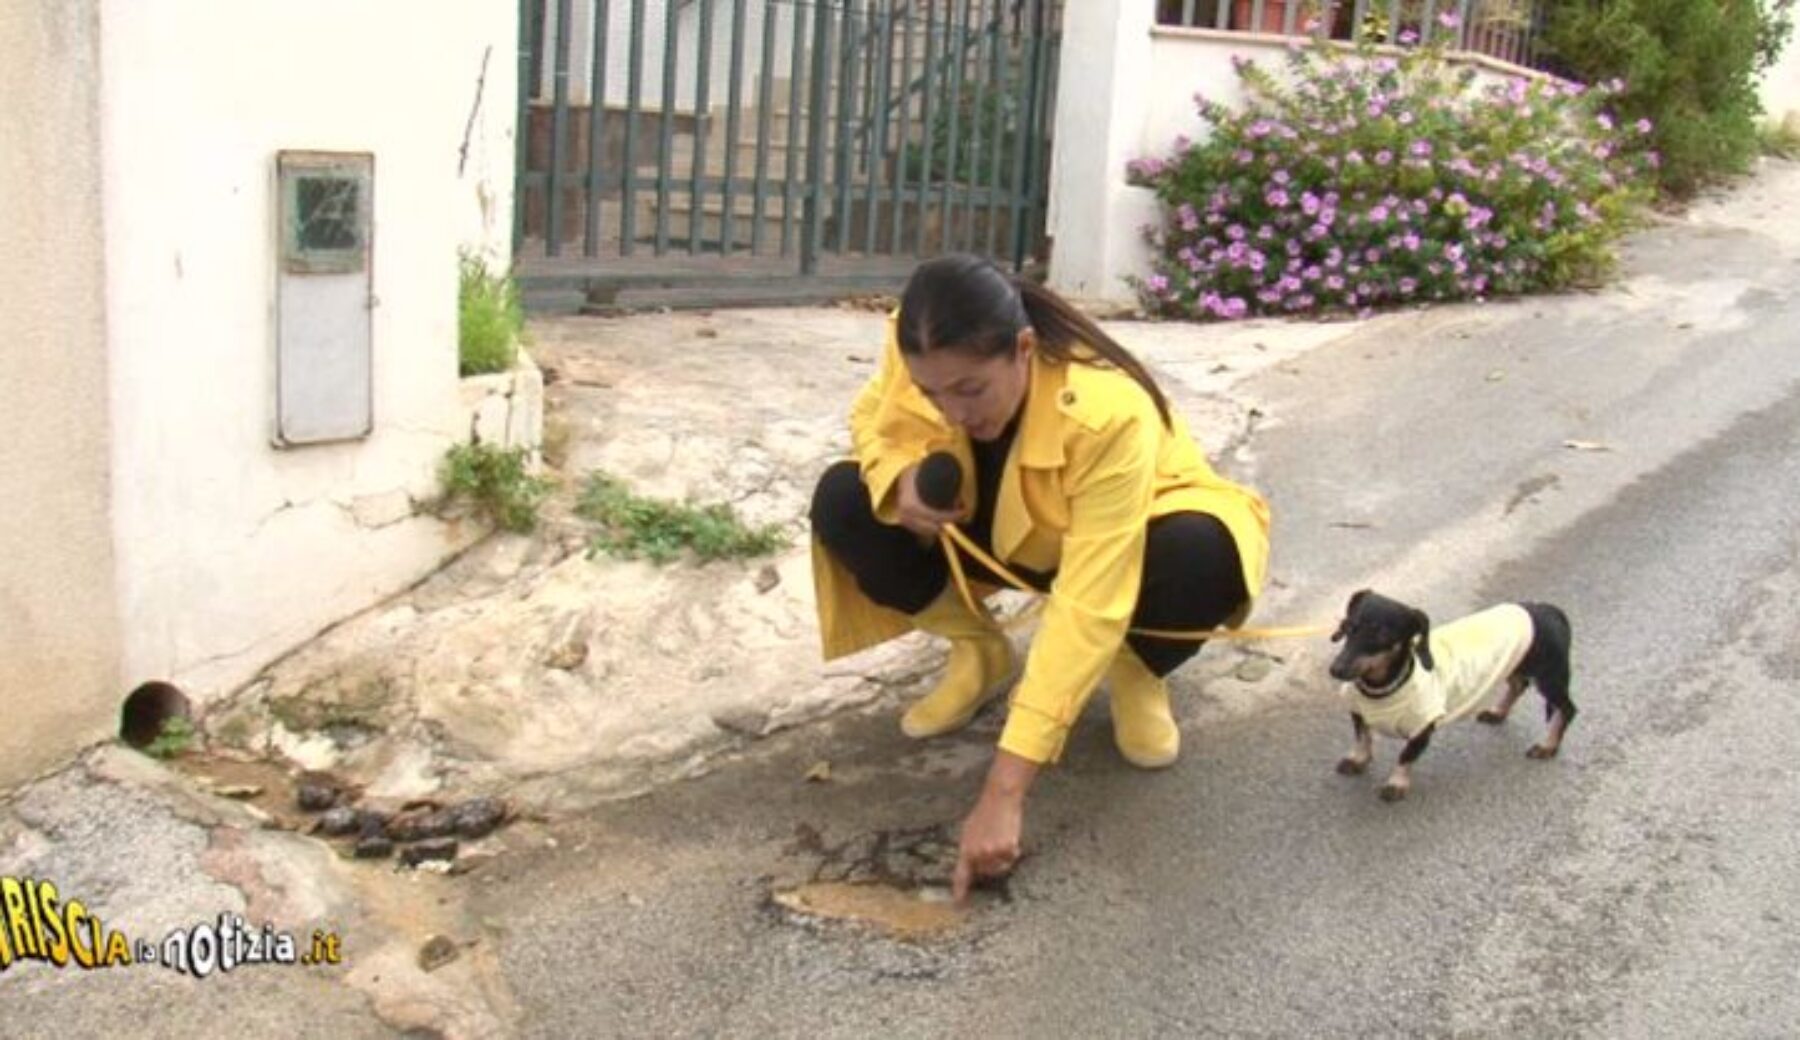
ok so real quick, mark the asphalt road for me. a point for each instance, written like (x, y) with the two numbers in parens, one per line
(1633, 456)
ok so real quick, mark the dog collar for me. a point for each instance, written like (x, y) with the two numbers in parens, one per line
(1399, 680)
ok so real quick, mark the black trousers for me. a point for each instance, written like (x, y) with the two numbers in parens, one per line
(1193, 577)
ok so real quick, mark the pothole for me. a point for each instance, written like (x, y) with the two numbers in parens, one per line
(895, 881)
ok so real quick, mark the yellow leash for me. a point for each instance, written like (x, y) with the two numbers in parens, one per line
(952, 539)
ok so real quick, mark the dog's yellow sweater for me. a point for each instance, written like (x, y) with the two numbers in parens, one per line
(1472, 655)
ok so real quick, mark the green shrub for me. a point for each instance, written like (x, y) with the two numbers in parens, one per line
(498, 481)
(1688, 66)
(1365, 179)
(634, 527)
(489, 318)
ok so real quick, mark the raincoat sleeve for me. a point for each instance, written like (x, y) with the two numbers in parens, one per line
(889, 429)
(1095, 591)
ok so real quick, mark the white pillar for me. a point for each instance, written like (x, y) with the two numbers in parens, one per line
(1103, 87)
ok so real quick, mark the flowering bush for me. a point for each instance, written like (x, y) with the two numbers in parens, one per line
(1372, 179)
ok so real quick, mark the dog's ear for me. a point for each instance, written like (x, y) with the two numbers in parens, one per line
(1423, 623)
(1349, 612)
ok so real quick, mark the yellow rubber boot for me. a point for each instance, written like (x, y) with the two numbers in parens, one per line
(1143, 726)
(980, 668)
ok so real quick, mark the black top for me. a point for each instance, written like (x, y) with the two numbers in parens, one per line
(990, 464)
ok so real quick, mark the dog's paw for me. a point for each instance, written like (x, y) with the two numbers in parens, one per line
(1393, 792)
(1491, 717)
(1351, 766)
(1541, 751)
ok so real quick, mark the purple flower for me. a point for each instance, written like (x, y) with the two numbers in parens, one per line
(1449, 20)
(1383, 157)
(1280, 177)
(1309, 204)
(1378, 215)
(1144, 169)
(1243, 157)
(1277, 197)
(1405, 119)
(1411, 242)
(1407, 37)
(1235, 307)
(1644, 126)
(1408, 286)
(1235, 232)
(1421, 148)
(1157, 284)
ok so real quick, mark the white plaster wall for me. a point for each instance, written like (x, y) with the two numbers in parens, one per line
(59, 631)
(1127, 92)
(1104, 83)
(230, 551)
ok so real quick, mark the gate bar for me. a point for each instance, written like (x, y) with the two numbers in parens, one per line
(812, 228)
(925, 127)
(733, 124)
(590, 245)
(559, 129)
(845, 171)
(634, 95)
(960, 12)
(897, 203)
(702, 128)
(765, 96)
(664, 158)
(796, 78)
(882, 25)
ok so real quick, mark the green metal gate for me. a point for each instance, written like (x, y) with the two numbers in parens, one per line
(711, 151)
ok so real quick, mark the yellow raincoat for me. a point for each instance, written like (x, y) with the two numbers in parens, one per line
(1091, 464)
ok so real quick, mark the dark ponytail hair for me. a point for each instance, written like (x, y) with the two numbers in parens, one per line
(967, 303)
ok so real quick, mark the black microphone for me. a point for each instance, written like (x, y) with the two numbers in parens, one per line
(940, 478)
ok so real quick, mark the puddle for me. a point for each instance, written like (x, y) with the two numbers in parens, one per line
(922, 913)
